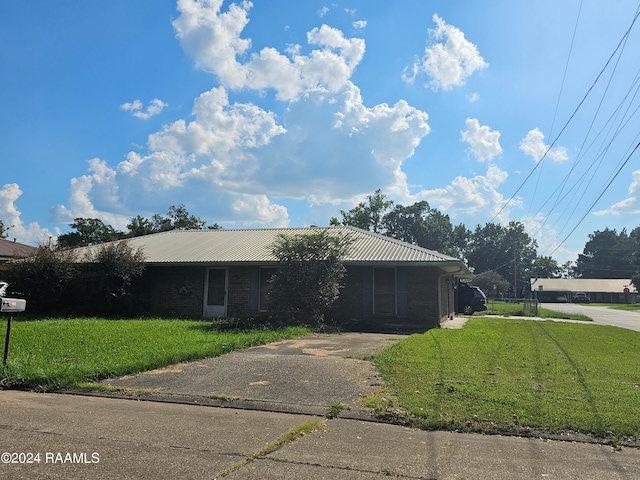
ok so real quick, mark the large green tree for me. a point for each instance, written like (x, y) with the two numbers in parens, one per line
(609, 254)
(509, 251)
(366, 215)
(88, 231)
(177, 218)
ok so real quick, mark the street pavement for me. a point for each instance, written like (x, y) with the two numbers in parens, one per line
(601, 315)
(223, 417)
(125, 439)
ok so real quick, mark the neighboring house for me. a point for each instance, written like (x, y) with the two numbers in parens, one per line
(10, 249)
(617, 290)
(224, 273)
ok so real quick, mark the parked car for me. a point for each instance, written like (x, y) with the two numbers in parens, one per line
(3, 288)
(562, 299)
(580, 298)
(471, 299)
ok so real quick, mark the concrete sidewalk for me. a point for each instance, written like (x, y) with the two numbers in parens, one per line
(118, 439)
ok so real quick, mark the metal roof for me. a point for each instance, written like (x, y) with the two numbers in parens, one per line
(12, 249)
(605, 285)
(253, 246)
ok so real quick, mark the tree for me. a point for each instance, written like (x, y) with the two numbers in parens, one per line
(106, 277)
(509, 250)
(492, 283)
(139, 226)
(367, 216)
(44, 278)
(3, 230)
(608, 254)
(544, 267)
(178, 218)
(309, 276)
(89, 231)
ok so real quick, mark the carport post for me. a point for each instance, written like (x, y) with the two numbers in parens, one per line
(6, 341)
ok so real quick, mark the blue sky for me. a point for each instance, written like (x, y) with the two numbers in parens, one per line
(281, 113)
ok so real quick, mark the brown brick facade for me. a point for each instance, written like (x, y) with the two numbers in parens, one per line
(179, 292)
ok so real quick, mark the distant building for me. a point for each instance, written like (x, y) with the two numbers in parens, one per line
(10, 249)
(616, 290)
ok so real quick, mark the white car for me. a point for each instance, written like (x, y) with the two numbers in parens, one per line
(3, 288)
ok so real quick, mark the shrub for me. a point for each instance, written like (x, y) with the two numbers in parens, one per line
(309, 277)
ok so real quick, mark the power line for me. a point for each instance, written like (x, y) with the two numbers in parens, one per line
(622, 40)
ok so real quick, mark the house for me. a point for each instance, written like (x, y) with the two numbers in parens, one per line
(10, 249)
(616, 290)
(224, 273)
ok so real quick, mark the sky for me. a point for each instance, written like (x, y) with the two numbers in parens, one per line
(282, 113)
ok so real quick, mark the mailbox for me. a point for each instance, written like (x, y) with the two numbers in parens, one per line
(12, 305)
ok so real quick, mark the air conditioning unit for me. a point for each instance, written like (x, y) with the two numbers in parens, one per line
(12, 305)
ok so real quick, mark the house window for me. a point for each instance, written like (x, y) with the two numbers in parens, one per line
(265, 276)
(384, 291)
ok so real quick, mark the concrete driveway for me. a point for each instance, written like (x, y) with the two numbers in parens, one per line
(305, 375)
(600, 315)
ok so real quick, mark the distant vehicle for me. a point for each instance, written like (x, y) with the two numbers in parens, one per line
(562, 298)
(580, 298)
(471, 299)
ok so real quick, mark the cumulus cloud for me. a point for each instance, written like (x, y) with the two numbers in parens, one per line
(628, 206)
(213, 39)
(534, 146)
(469, 196)
(483, 142)
(450, 63)
(30, 234)
(154, 107)
(229, 160)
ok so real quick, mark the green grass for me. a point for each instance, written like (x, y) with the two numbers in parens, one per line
(54, 354)
(515, 310)
(632, 307)
(498, 375)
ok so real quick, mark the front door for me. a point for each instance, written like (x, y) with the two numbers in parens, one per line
(216, 301)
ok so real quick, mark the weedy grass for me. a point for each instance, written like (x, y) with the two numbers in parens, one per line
(501, 375)
(64, 353)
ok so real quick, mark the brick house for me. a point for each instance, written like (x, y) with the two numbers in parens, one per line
(223, 273)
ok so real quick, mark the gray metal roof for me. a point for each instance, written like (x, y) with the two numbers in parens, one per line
(12, 249)
(605, 285)
(253, 246)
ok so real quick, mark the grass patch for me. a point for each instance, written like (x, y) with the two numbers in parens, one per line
(630, 307)
(515, 375)
(515, 310)
(54, 354)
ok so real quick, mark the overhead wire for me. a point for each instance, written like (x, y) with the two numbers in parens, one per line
(555, 140)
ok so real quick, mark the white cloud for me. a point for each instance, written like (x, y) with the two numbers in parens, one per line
(213, 39)
(470, 196)
(534, 146)
(228, 161)
(448, 64)
(359, 24)
(154, 107)
(30, 234)
(483, 142)
(323, 11)
(628, 206)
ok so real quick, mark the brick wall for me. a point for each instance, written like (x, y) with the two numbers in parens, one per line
(175, 292)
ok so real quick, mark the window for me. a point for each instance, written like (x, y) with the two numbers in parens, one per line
(265, 276)
(384, 291)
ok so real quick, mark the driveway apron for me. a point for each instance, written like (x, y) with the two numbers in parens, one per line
(304, 375)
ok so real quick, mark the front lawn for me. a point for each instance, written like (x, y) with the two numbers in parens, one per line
(499, 375)
(629, 307)
(51, 354)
